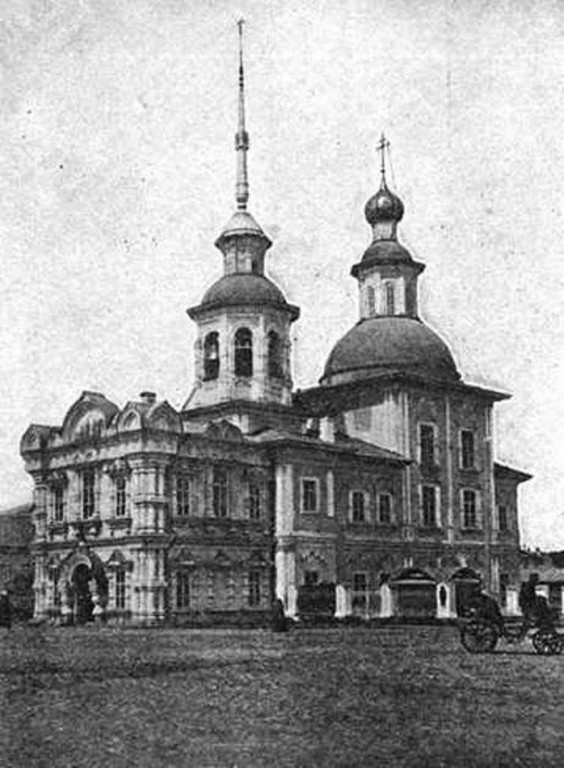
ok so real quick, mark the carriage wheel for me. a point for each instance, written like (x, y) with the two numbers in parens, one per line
(478, 637)
(547, 642)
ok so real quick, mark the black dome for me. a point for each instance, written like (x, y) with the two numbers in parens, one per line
(245, 289)
(383, 206)
(395, 343)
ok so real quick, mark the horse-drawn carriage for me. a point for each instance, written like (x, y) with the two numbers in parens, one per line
(482, 627)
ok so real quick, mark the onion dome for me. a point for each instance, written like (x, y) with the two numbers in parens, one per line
(389, 344)
(384, 206)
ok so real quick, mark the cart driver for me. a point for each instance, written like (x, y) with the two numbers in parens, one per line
(487, 607)
(528, 600)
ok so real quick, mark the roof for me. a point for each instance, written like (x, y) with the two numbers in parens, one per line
(242, 223)
(382, 343)
(503, 471)
(345, 396)
(386, 252)
(244, 289)
(341, 444)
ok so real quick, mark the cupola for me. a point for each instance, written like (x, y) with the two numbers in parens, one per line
(389, 336)
(243, 349)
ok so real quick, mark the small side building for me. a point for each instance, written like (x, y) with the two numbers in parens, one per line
(16, 564)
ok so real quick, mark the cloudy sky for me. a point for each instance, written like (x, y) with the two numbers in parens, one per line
(117, 169)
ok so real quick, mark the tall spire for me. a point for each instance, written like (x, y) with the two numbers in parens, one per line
(241, 137)
(242, 241)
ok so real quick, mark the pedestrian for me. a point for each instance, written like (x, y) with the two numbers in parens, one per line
(528, 598)
(5, 610)
(279, 622)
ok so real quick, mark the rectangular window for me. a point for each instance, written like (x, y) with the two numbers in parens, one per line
(390, 299)
(429, 503)
(309, 495)
(467, 450)
(469, 509)
(427, 451)
(384, 508)
(220, 493)
(370, 301)
(121, 496)
(254, 588)
(358, 507)
(182, 495)
(254, 501)
(502, 518)
(58, 503)
(88, 494)
(182, 589)
(120, 590)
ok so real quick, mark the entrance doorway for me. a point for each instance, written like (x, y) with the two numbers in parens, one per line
(466, 585)
(83, 605)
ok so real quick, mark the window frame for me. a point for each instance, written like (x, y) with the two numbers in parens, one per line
(463, 463)
(470, 518)
(182, 494)
(389, 497)
(120, 501)
(436, 506)
(220, 493)
(315, 484)
(58, 503)
(183, 590)
(211, 356)
(422, 445)
(255, 500)
(389, 297)
(274, 358)
(88, 494)
(243, 353)
(370, 301)
(356, 495)
(360, 591)
(120, 589)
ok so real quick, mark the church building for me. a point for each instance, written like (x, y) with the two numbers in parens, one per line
(378, 486)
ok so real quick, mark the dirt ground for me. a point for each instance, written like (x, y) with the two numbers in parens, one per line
(402, 696)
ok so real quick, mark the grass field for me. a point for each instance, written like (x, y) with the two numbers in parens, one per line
(407, 696)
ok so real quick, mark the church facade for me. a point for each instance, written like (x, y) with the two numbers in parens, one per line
(378, 485)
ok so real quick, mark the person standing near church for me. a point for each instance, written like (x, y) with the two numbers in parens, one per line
(5, 610)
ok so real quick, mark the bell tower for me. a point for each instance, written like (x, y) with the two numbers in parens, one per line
(243, 347)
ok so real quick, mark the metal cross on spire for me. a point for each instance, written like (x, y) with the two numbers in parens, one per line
(381, 147)
(241, 137)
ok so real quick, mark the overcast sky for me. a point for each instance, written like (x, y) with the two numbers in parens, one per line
(117, 174)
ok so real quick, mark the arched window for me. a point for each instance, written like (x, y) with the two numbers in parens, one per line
(370, 302)
(243, 352)
(274, 356)
(211, 356)
(390, 299)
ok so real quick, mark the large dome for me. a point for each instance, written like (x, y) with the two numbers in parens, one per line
(379, 344)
